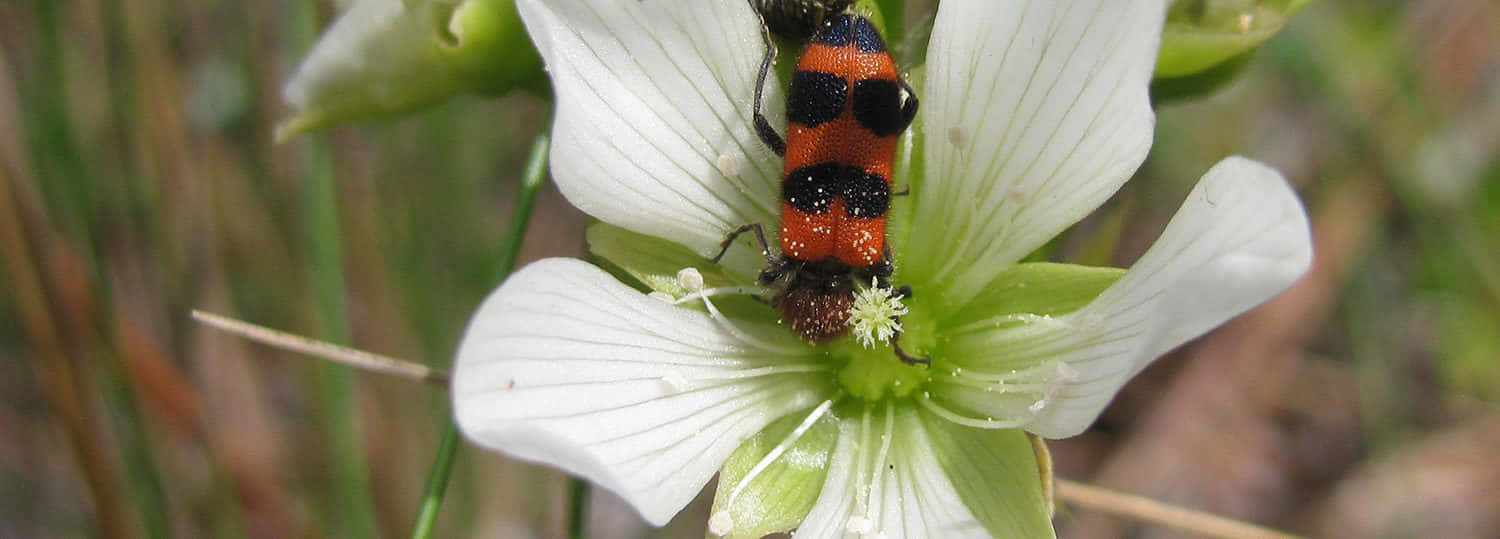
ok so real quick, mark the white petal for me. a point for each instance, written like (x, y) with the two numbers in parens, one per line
(1035, 113)
(1241, 238)
(885, 481)
(653, 129)
(565, 366)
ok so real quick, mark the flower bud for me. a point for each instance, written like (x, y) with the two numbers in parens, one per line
(1204, 42)
(389, 57)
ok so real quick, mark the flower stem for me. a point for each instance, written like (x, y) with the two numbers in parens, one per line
(442, 464)
(536, 171)
(578, 504)
(437, 483)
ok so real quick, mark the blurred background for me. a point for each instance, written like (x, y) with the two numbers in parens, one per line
(139, 180)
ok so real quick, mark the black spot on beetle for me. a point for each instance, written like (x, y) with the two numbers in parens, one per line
(837, 31)
(866, 196)
(815, 98)
(866, 37)
(877, 106)
(811, 189)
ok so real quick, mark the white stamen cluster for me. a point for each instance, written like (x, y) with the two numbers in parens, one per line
(874, 318)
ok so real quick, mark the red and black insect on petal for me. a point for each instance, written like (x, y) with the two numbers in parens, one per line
(844, 111)
(845, 108)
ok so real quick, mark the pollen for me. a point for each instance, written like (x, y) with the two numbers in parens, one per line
(674, 383)
(860, 526)
(863, 528)
(720, 524)
(874, 318)
(958, 137)
(691, 279)
(730, 165)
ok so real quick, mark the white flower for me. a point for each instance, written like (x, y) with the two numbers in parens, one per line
(1033, 114)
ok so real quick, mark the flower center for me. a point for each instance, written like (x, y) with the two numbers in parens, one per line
(877, 372)
(873, 375)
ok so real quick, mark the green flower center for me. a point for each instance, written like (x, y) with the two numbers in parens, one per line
(875, 373)
(872, 376)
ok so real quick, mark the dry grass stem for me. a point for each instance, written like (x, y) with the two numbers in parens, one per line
(1155, 512)
(349, 356)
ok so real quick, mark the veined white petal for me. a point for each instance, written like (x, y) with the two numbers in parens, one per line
(1035, 113)
(885, 481)
(1240, 238)
(653, 128)
(565, 366)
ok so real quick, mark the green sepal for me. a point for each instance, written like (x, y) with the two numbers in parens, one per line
(1039, 288)
(652, 261)
(779, 497)
(996, 474)
(655, 262)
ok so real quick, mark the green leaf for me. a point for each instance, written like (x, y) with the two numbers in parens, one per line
(784, 489)
(996, 474)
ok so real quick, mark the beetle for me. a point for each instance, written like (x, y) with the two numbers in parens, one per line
(845, 108)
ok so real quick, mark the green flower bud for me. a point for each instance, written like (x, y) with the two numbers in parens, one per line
(487, 45)
(389, 57)
(1205, 42)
